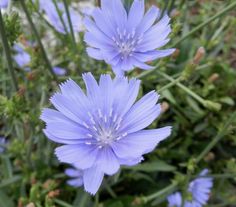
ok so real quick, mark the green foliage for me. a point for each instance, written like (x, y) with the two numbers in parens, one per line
(198, 97)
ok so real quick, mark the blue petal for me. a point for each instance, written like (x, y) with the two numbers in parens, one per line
(130, 162)
(65, 141)
(148, 20)
(92, 179)
(106, 86)
(75, 94)
(94, 53)
(141, 142)
(119, 13)
(66, 130)
(141, 114)
(93, 90)
(125, 94)
(152, 55)
(136, 13)
(91, 27)
(67, 108)
(71, 172)
(77, 182)
(82, 156)
(103, 21)
(107, 161)
(140, 64)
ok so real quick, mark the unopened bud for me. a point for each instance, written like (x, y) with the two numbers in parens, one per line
(164, 107)
(212, 105)
(209, 157)
(53, 194)
(30, 205)
(175, 13)
(176, 53)
(199, 55)
(21, 91)
(31, 75)
(213, 77)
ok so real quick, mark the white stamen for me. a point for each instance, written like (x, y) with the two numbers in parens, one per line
(85, 125)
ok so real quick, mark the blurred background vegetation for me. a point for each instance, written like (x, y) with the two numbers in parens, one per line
(198, 94)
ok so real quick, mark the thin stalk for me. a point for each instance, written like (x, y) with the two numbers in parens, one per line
(60, 16)
(6, 49)
(96, 203)
(62, 203)
(217, 138)
(70, 23)
(183, 87)
(45, 57)
(170, 188)
(200, 26)
(169, 85)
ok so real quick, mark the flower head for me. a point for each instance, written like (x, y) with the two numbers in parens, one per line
(61, 24)
(199, 189)
(104, 129)
(175, 200)
(126, 40)
(2, 144)
(59, 71)
(22, 58)
(76, 177)
(4, 4)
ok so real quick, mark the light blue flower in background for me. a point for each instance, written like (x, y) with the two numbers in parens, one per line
(104, 128)
(174, 200)
(59, 71)
(76, 177)
(4, 4)
(126, 40)
(22, 58)
(200, 189)
(2, 143)
(54, 18)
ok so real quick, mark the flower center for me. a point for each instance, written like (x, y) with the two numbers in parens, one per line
(126, 42)
(103, 128)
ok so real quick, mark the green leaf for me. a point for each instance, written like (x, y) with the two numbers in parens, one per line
(5, 201)
(153, 166)
(10, 181)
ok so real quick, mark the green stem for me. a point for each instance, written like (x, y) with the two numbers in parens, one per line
(200, 26)
(164, 191)
(217, 138)
(62, 203)
(70, 23)
(7, 53)
(47, 62)
(60, 15)
(169, 85)
(183, 87)
(96, 200)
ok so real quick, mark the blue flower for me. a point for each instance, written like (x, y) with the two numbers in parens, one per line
(59, 71)
(199, 189)
(54, 19)
(175, 200)
(76, 177)
(2, 144)
(104, 128)
(126, 40)
(4, 4)
(22, 58)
